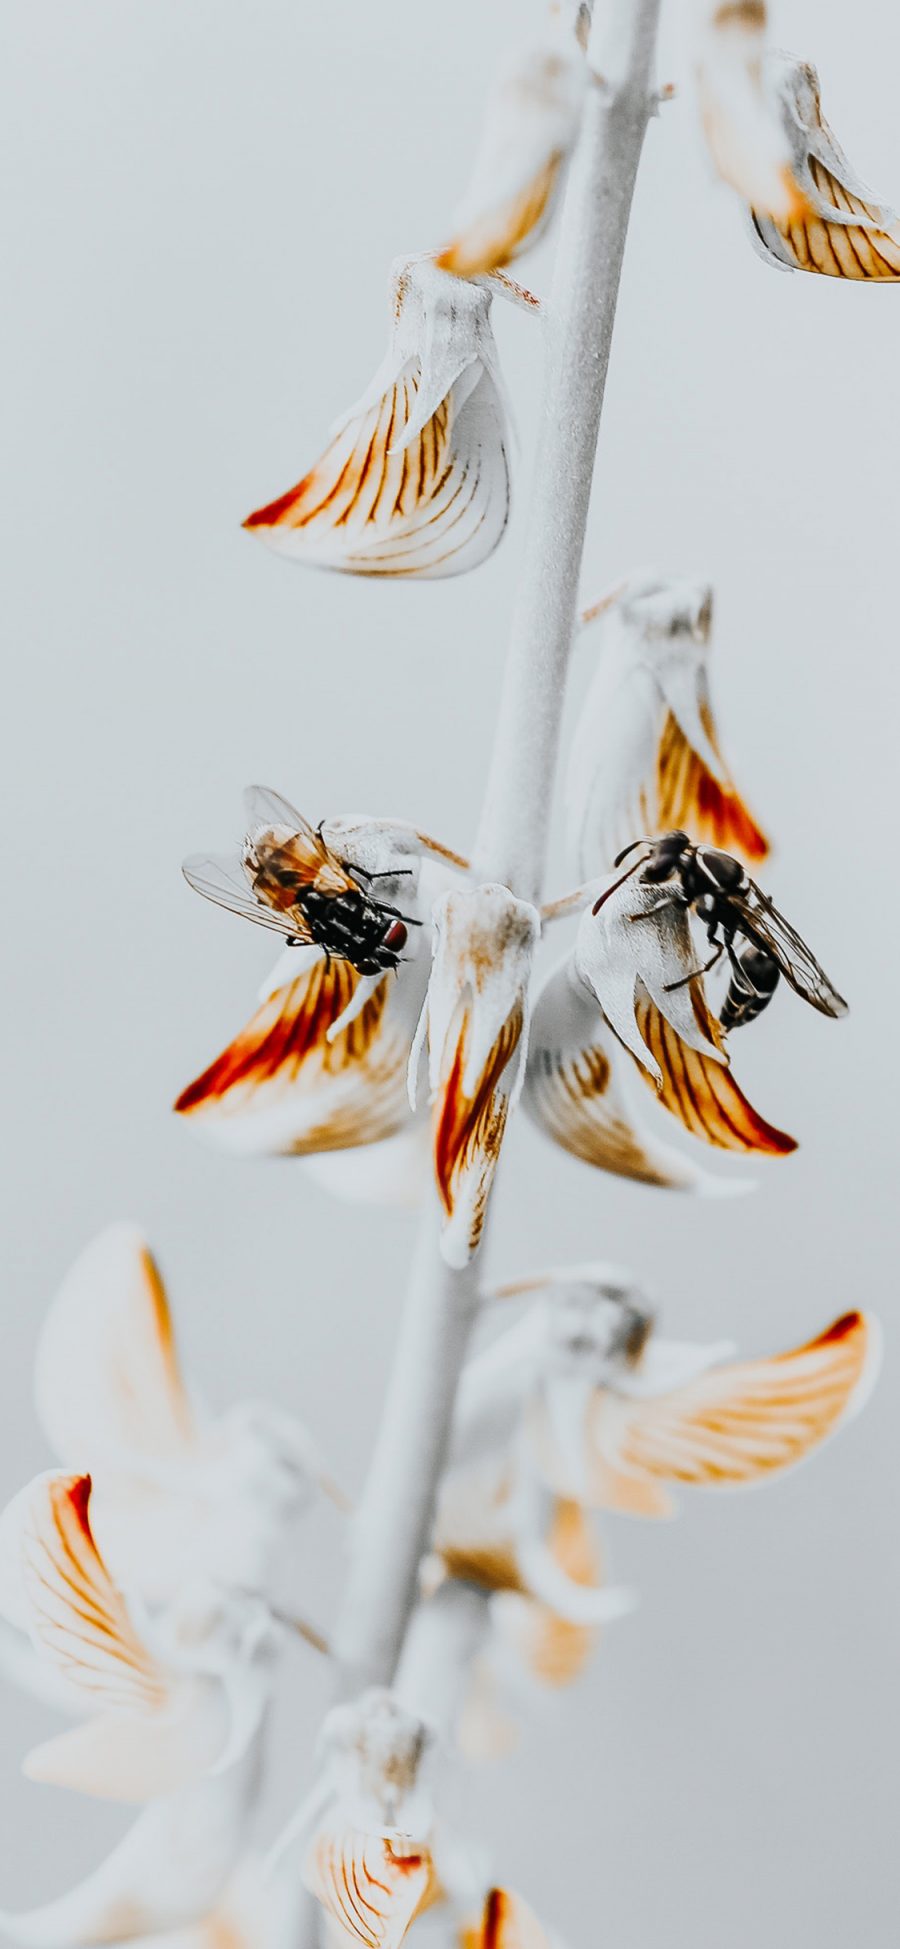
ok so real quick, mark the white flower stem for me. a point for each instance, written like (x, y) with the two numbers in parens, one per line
(392, 1527)
(579, 325)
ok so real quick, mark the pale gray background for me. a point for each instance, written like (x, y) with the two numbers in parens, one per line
(201, 199)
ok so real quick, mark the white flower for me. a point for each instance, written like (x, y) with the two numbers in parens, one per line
(370, 1861)
(177, 1493)
(175, 1697)
(531, 124)
(612, 1413)
(646, 757)
(165, 1874)
(747, 140)
(321, 1066)
(415, 478)
(844, 229)
(476, 1023)
(506, 1922)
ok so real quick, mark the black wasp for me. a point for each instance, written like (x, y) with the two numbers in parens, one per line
(287, 878)
(740, 922)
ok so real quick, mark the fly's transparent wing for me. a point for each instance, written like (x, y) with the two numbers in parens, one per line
(798, 965)
(295, 842)
(221, 878)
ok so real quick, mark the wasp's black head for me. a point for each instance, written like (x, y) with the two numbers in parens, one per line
(668, 855)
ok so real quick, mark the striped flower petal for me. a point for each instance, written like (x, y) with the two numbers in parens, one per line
(844, 230)
(373, 1886)
(531, 123)
(573, 1092)
(646, 757)
(157, 1728)
(741, 1422)
(415, 478)
(476, 1024)
(744, 131)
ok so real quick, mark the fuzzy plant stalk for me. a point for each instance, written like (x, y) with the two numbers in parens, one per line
(392, 1529)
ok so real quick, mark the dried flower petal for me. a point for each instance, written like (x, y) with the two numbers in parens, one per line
(700, 1092)
(844, 229)
(531, 124)
(415, 479)
(476, 1022)
(746, 138)
(646, 756)
(573, 1092)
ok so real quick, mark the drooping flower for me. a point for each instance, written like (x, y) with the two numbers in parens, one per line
(415, 478)
(475, 1021)
(176, 1696)
(646, 757)
(531, 124)
(321, 1067)
(613, 1414)
(177, 1493)
(844, 230)
(370, 1861)
(747, 140)
(574, 1091)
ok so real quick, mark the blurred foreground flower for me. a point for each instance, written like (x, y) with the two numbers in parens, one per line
(531, 123)
(475, 1020)
(177, 1696)
(844, 230)
(646, 756)
(612, 1413)
(370, 1861)
(749, 145)
(415, 478)
(177, 1493)
(506, 1923)
(322, 1064)
(166, 1874)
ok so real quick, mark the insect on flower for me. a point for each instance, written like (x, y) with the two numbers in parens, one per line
(288, 878)
(714, 886)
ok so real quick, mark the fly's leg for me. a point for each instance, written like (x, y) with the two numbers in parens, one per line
(721, 948)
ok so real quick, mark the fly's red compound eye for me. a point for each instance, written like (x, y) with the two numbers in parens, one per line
(396, 936)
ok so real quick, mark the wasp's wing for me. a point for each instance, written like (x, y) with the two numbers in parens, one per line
(300, 846)
(221, 877)
(771, 931)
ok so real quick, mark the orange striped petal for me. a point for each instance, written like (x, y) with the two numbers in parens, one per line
(415, 479)
(107, 1375)
(744, 1421)
(844, 230)
(282, 1086)
(646, 756)
(374, 1887)
(744, 131)
(78, 1617)
(573, 1093)
(700, 1091)
(531, 123)
(476, 1020)
(507, 1923)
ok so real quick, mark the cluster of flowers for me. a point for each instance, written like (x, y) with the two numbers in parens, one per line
(140, 1578)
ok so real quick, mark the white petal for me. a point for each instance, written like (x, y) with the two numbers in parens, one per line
(846, 230)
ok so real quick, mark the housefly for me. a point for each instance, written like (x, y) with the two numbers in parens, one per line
(286, 877)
